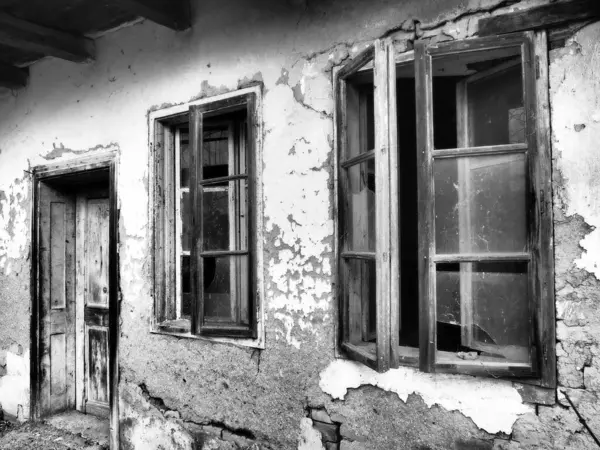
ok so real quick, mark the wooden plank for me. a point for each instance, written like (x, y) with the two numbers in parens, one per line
(382, 201)
(159, 262)
(58, 372)
(80, 222)
(12, 77)
(228, 178)
(363, 157)
(394, 210)
(342, 206)
(545, 16)
(196, 262)
(34, 283)
(463, 135)
(360, 60)
(174, 14)
(169, 225)
(58, 236)
(426, 214)
(483, 43)
(486, 150)
(96, 252)
(252, 158)
(30, 37)
(542, 165)
(365, 353)
(480, 257)
(114, 306)
(97, 364)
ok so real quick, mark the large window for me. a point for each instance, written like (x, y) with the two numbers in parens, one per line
(205, 252)
(444, 200)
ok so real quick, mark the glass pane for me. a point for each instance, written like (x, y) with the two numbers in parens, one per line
(478, 98)
(186, 221)
(239, 201)
(226, 288)
(360, 114)
(186, 287)
(480, 204)
(496, 112)
(483, 312)
(215, 151)
(215, 218)
(360, 224)
(184, 157)
(360, 285)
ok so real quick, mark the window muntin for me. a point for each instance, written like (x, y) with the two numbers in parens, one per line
(481, 267)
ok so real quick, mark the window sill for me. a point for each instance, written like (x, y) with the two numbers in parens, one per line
(181, 329)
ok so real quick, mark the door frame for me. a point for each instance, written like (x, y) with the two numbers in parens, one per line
(44, 173)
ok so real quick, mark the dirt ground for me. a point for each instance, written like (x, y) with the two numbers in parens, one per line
(42, 436)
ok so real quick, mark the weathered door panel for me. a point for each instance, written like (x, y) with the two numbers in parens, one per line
(57, 293)
(92, 288)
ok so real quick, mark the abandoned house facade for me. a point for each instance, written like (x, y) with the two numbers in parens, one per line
(297, 224)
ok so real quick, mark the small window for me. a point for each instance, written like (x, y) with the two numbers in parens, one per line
(445, 221)
(205, 250)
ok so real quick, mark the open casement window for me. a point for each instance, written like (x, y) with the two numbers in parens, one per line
(365, 148)
(205, 220)
(455, 142)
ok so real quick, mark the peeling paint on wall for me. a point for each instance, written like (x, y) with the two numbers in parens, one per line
(494, 406)
(575, 93)
(14, 231)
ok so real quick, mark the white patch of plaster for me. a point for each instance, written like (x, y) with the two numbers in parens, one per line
(14, 231)
(493, 405)
(309, 439)
(14, 386)
(296, 199)
(575, 100)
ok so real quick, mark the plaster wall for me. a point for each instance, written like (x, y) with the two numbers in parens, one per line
(187, 393)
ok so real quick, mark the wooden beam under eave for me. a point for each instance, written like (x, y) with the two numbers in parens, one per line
(540, 17)
(174, 14)
(30, 37)
(12, 77)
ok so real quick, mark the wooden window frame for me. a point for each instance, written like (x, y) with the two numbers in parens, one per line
(534, 47)
(163, 124)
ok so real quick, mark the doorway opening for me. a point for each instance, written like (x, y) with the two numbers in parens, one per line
(74, 338)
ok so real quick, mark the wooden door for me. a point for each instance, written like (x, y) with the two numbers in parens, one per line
(57, 299)
(93, 213)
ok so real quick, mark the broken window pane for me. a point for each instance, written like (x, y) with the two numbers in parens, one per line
(483, 312)
(184, 158)
(215, 152)
(478, 98)
(361, 301)
(480, 204)
(361, 207)
(225, 287)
